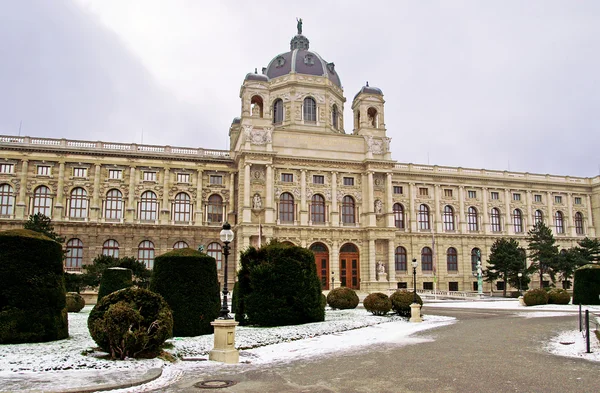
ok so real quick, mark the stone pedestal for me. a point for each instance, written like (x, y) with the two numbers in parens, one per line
(415, 312)
(224, 350)
(382, 277)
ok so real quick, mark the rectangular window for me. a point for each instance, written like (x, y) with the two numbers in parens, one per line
(471, 194)
(578, 200)
(149, 176)
(495, 195)
(215, 179)
(348, 181)
(537, 198)
(423, 191)
(500, 285)
(6, 168)
(79, 172)
(557, 199)
(402, 285)
(428, 286)
(287, 177)
(43, 170)
(453, 286)
(448, 193)
(516, 197)
(318, 179)
(398, 190)
(183, 178)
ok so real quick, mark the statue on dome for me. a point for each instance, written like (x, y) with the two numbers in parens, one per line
(299, 25)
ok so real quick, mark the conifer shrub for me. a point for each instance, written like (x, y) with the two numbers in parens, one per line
(342, 298)
(234, 298)
(278, 285)
(401, 301)
(132, 322)
(75, 302)
(113, 279)
(187, 280)
(32, 289)
(535, 297)
(377, 303)
(558, 296)
(323, 300)
(586, 286)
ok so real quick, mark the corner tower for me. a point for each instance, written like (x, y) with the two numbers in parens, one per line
(369, 121)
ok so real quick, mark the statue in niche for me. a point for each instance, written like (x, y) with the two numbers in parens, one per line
(378, 206)
(380, 268)
(256, 202)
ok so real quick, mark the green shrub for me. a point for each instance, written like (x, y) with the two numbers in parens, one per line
(401, 301)
(323, 300)
(278, 285)
(187, 280)
(342, 298)
(234, 298)
(535, 297)
(558, 296)
(133, 322)
(75, 302)
(73, 282)
(32, 289)
(377, 303)
(586, 286)
(113, 279)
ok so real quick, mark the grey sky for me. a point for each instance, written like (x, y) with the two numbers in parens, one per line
(483, 84)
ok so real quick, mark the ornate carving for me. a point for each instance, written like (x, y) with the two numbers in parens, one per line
(258, 137)
(378, 206)
(374, 146)
(327, 194)
(296, 192)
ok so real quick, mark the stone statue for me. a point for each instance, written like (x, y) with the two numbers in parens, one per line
(378, 206)
(299, 25)
(256, 202)
(380, 268)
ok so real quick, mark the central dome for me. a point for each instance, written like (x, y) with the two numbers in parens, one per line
(302, 61)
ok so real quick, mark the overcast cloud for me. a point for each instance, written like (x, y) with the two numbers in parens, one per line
(484, 84)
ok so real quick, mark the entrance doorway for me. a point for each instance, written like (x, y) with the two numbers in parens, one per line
(349, 266)
(322, 260)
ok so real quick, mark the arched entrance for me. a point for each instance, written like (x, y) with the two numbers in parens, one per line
(322, 260)
(349, 266)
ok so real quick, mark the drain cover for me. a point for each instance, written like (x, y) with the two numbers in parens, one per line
(214, 384)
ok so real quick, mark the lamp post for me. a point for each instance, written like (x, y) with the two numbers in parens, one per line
(414, 266)
(415, 308)
(332, 279)
(226, 236)
(479, 279)
(520, 275)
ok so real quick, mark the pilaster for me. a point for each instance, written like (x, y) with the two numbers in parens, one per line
(59, 205)
(95, 208)
(20, 211)
(199, 210)
(335, 215)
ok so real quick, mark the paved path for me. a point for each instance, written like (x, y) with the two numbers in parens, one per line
(485, 351)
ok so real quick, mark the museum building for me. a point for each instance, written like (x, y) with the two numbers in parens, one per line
(294, 174)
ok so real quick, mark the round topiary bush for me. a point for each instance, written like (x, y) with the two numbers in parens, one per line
(32, 290)
(401, 301)
(558, 296)
(586, 286)
(342, 298)
(132, 322)
(113, 279)
(377, 303)
(75, 302)
(535, 297)
(187, 280)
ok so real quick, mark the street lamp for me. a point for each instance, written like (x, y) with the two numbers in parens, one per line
(226, 236)
(520, 275)
(414, 266)
(332, 279)
(415, 308)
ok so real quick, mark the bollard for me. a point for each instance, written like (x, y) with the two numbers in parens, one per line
(587, 331)
(580, 327)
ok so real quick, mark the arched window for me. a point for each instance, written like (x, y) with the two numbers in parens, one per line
(559, 222)
(448, 218)
(42, 202)
(7, 200)
(256, 106)
(78, 205)
(398, 215)
(348, 247)
(452, 259)
(286, 207)
(74, 255)
(475, 256)
(538, 216)
(148, 206)
(518, 220)
(424, 217)
(495, 220)
(372, 117)
(472, 219)
(334, 116)
(400, 259)
(278, 111)
(579, 223)
(214, 209)
(310, 110)
(182, 208)
(110, 248)
(146, 253)
(214, 250)
(113, 207)
(180, 244)
(348, 214)
(426, 259)
(317, 209)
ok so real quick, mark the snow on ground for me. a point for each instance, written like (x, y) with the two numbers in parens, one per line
(572, 344)
(512, 304)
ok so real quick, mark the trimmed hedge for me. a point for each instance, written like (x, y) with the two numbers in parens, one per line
(75, 302)
(377, 303)
(535, 297)
(113, 279)
(401, 301)
(278, 285)
(32, 289)
(132, 322)
(558, 296)
(342, 298)
(586, 288)
(187, 280)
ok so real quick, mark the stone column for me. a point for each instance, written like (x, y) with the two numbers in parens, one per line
(370, 209)
(486, 212)
(412, 224)
(59, 206)
(529, 208)
(372, 261)
(461, 222)
(436, 225)
(21, 208)
(199, 210)
(303, 209)
(165, 211)
(550, 219)
(591, 231)
(568, 219)
(95, 208)
(247, 212)
(231, 205)
(508, 224)
(269, 212)
(334, 263)
(335, 216)
(389, 202)
(392, 262)
(130, 213)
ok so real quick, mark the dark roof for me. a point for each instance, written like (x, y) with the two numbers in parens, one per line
(236, 120)
(302, 61)
(251, 76)
(369, 90)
